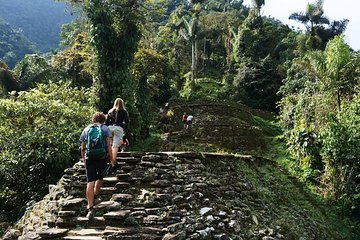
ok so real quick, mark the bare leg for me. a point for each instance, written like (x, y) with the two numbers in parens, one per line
(90, 194)
(114, 153)
(98, 185)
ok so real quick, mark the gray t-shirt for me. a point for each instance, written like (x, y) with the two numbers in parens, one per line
(105, 129)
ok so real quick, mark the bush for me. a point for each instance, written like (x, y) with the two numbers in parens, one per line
(341, 151)
(39, 133)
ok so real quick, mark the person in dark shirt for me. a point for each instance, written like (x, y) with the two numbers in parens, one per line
(184, 119)
(117, 119)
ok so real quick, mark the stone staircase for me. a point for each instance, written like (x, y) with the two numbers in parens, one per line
(169, 195)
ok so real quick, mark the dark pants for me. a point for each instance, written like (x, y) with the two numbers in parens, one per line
(94, 168)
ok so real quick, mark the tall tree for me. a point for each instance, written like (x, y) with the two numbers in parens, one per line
(312, 17)
(115, 32)
(189, 30)
(257, 4)
(318, 26)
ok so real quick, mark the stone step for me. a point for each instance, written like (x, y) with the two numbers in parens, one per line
(122, 185)
(107, 191)
(83, 238)
(108, 205)
(121, 197)
(96, 222)
(86, 232)
(117, 215)
(132, 233)
(125, 233)
(128, 168)
(124, 177)
(110, 181)
(52, 233)
(73, 204)
(67, 213)
(128, 160)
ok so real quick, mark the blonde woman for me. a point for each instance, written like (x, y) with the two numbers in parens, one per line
(117, 118)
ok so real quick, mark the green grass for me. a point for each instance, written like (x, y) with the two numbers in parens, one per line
(290, 185)
(272, 128)
(150, 144)
(293, 206)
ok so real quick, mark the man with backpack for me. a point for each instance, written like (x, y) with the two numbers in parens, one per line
(95, 147)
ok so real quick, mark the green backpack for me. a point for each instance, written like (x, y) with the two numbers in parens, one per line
(95, 142)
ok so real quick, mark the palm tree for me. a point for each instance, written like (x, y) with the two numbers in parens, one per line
(257, 4)
(312, 17)
(189, 30)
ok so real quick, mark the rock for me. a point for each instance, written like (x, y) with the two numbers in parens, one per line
(122, 197)
(161, 183)
(221, 225)
(152, 230)
(12, 234)
(178, 236)
(210, 218)
(221, 236)
(233, 224)
(151, 158)
(190, 228)
(147, 164)
(118, 215)
(254, 218)
(53, 233)
(73, 204)
(82, 238)
(175, 227)
(66, 213)
(206, 233)
(205, 210)
(122, 185)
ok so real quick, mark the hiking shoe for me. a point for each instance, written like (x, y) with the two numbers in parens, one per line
(90, 214)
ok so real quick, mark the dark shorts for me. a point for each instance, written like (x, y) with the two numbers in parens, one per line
(94, 168)
(189, 122)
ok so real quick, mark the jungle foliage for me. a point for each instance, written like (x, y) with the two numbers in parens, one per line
(13, 44)
(38, 136)
(319, 112)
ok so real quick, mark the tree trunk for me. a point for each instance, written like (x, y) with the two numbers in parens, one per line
(339, 99)
(193, 63)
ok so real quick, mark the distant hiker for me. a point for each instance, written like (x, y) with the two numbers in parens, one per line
(166, 107)
(184, 119)
(189, 121)
(95, 146)
(117, 119)
(124, 142)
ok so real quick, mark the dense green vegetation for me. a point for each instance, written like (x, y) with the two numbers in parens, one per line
(319, 114)
(38, 132)
(13, 44)
(39, 20)
(152, 52)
